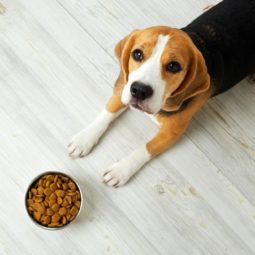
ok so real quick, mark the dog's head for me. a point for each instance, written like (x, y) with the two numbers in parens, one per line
(160, 68)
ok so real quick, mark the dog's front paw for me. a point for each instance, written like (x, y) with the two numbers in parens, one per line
(82, 143)
(117, 174)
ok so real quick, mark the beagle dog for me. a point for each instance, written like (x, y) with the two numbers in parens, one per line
(169, 74)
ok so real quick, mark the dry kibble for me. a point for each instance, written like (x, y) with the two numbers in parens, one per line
(30, 202)
(64, 220)
(53, 196)
(62, 211)
(65, 186)
(77, 204)
(72, 186)
(59, 200)
(55, 207)
(38, 199)
(68, 199)
(53, 187)
(60, 193)
(41, 209)
(49, 212)
(37, 215)
(34, 191)
(54, 200)
(55, 218)
(56, 179)
(47, 192)
(52, 225)
(40, 190)
(74, 210)
(45, 220)
(36, 206)
(64, 203)
(47, 184)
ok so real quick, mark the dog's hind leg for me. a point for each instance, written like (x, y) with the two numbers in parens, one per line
(83, 142)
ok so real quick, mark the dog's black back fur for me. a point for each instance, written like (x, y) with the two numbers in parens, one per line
(226, 37)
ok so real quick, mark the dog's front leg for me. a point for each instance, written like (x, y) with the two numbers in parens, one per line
(119, 173)
(172, 127)
(83, 142)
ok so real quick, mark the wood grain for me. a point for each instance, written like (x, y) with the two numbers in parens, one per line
(57, 70)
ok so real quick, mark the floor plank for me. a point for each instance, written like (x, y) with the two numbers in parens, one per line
(57, 69)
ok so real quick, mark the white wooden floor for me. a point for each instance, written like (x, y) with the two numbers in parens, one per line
(57, 70)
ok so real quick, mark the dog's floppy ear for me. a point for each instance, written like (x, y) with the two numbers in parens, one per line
(122, 52)
(196, 81)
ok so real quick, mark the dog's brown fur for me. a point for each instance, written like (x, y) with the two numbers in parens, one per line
(193, 82)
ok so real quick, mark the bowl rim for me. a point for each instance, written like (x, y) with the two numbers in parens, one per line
(53, 173)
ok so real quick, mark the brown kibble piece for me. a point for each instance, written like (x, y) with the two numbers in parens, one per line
(53, 224)
(38, 199)
(37, 216)
(36, 206)
(53, 187)
(62, 211)
(52, 202)
(53, 196)
(72, 186)
(64, 220)
(49, 212)
(60, 193)
(41, 208)
(56, 179)
(64, 203)
(60, 200)
(74, 210)
(68, 216)
(55, 207)
(47, 192)
(30, 202)
(72, 193)
(64, 179)
(45, 220)
(47, 184)
(55, 218)
(74, 198)
(68, 199)
(50, 178)
(77, 204)
(34, 191)
(65, 186)
(40, 190)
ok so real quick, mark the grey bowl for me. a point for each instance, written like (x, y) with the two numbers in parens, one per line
(32, 184)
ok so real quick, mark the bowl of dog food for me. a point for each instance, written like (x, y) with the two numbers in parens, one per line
(53, 200)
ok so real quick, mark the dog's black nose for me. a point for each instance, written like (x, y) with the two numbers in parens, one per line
(141, 91)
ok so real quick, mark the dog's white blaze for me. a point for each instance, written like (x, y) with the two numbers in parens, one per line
(149, 73)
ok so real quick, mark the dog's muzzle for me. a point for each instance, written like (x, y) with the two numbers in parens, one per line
(140, 92)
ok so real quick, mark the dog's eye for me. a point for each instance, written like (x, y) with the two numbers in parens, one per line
(137, 55)
(173, 67)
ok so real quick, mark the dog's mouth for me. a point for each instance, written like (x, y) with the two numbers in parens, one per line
(140, 106)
